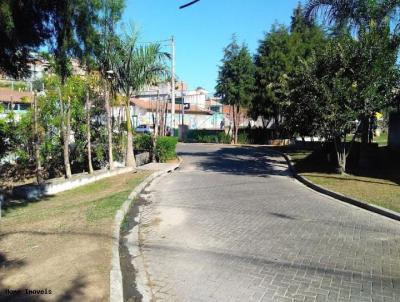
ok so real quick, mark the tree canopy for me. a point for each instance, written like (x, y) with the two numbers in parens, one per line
(278, 54)
(235, 83)
(24, 26)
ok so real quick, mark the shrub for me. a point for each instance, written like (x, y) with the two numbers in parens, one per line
(224, 138)
(207, 139)
(243, 138)
(144, 142)
(166, 148)
(203, 136)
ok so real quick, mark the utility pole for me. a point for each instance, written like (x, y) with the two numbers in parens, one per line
(183, 105)
(173, 86)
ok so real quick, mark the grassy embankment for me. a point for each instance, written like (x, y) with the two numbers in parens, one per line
(378, 184)
(63, 243)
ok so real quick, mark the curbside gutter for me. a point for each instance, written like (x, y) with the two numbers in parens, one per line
(355, 202)
(116, 284)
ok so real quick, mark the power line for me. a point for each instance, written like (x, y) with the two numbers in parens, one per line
(151, 42)
(188, 4)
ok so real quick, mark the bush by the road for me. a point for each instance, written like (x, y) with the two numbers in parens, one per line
(144, 142)
(224, 138)
(243, 138)
(166, 148)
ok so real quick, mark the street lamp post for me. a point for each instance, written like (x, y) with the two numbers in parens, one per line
(173, 86)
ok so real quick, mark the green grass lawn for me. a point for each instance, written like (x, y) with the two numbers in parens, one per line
(382, 140)
(379, 184)
(377, 191)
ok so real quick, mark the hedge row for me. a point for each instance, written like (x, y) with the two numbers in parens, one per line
(166, 148)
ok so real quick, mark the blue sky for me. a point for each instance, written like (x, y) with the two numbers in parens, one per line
(204, 29)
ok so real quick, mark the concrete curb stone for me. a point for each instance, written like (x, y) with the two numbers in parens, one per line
(116, 284)
(355, 202)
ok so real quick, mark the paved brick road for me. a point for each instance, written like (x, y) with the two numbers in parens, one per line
(230, 225)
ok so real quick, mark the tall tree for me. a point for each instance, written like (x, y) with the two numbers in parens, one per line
(360, 16)
(36, 139)
(328, 93)
(236, 81)
(278, 54)
(136, 66)
(92, 89)
(74, 29)
(273, 64)
(109, 40)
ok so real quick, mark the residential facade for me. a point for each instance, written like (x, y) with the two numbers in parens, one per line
(14, 101)
(201, 111)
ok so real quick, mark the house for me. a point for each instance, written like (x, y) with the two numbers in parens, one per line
(18, 102)
(195, 116)
(202, 112)
(38, 67)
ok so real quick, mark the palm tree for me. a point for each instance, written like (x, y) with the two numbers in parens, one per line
(354, 13)
(135, 66)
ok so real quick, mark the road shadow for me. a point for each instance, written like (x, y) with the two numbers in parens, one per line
(246, 161)
(281, 265)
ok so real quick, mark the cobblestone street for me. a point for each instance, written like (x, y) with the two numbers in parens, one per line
(232, 225)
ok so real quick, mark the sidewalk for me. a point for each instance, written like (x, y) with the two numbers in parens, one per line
(157, 167)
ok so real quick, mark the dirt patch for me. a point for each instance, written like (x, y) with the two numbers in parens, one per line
(60, 247)
(173, 161)
(131, 294)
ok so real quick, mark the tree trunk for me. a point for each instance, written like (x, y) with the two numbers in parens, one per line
(121, 112)
(88, 134)
(161, 132)
(364, 130)
(165, 117)
(237, 123)
(156, 126)
(66, 130)
(234, 124)
(130, 156)
(109, 131)
(264, 122)
(39, 178)
(341, 169)
(341, 157)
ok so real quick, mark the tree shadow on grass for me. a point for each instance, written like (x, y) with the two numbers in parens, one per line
(16, 203)
(385, 166)
(245, 161)
(19, 294)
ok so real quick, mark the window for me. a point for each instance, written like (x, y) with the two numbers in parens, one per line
(215, 108)
(24, 106)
